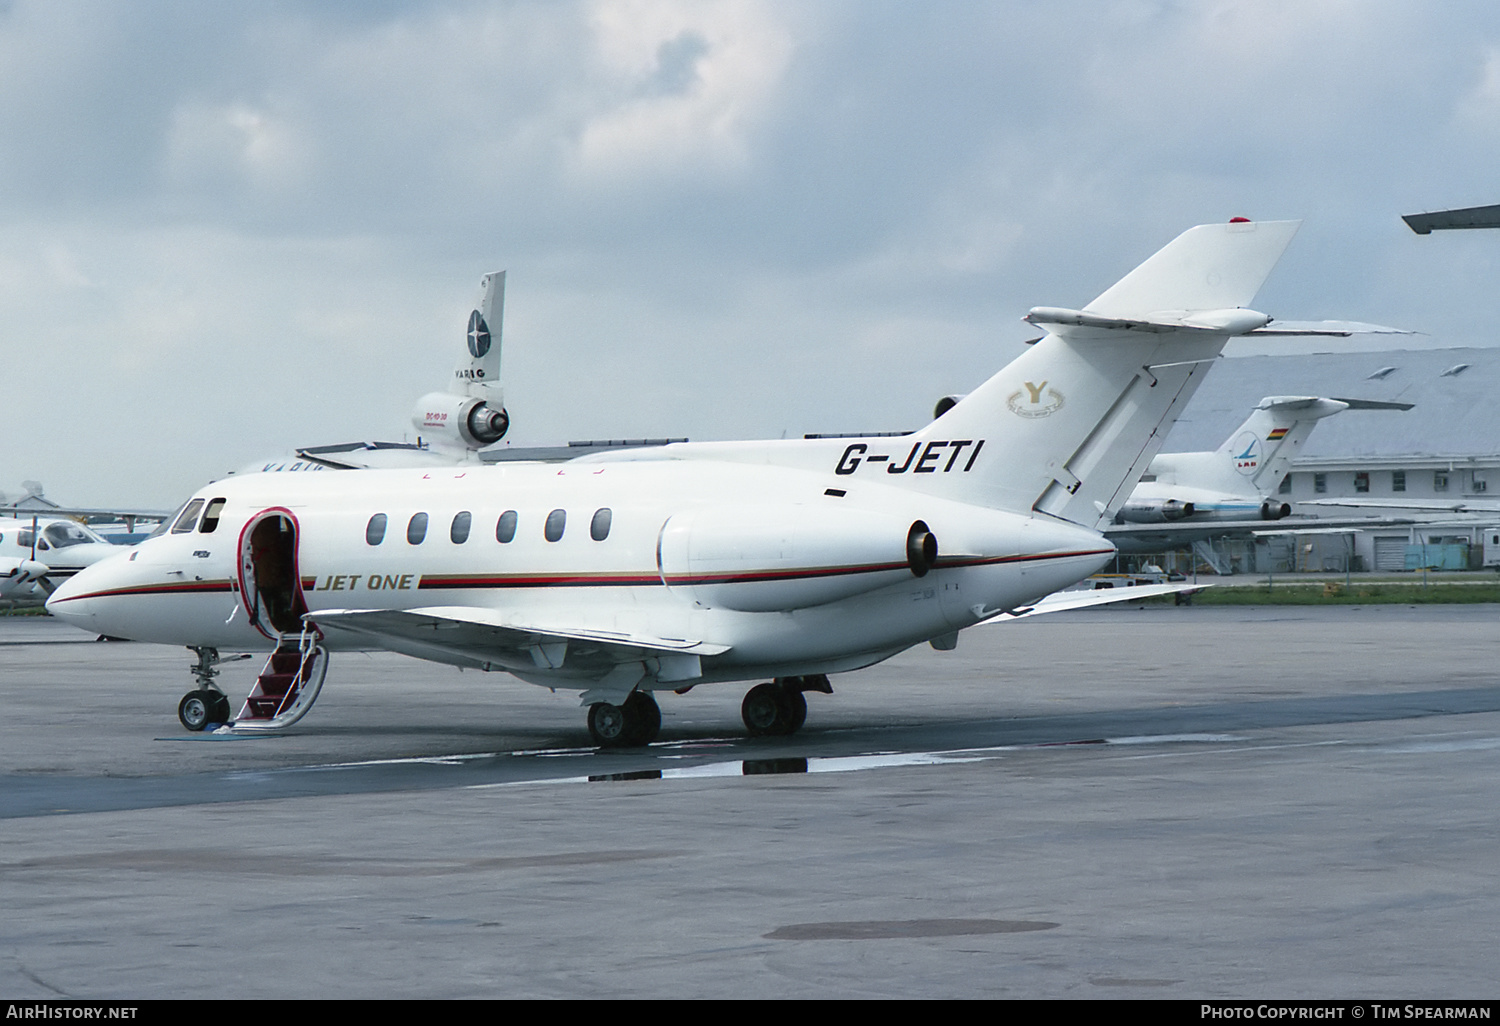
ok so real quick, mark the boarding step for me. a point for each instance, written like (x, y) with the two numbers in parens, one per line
(287, 686)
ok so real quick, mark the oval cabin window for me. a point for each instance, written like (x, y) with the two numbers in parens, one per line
(557, 522)
(599, 526)
(505, 527)
(375, 530)
(416, 529)
(459, 532)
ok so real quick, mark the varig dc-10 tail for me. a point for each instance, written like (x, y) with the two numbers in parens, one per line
(470, 414)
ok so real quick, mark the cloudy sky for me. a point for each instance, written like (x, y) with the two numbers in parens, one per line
(232, 229)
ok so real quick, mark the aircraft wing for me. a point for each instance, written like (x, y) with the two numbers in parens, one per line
(491, 639)
(1424, 505)
(1185, 532)
(1060, 601)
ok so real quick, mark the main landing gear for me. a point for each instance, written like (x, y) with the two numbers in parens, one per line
(778, 707)
(630, 725)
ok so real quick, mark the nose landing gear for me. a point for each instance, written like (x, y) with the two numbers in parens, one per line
(206, 704)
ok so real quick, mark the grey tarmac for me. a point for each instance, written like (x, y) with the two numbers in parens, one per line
(1134, 802)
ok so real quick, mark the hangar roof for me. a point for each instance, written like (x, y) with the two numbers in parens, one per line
(1456, 392)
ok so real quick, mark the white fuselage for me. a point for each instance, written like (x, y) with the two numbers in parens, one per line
(765, 561)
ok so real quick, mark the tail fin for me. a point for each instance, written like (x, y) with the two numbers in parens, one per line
(1068, 427)
(470, 413)
(1257, 454)
(478, 371)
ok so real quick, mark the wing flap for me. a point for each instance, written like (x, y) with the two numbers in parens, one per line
(488, 635)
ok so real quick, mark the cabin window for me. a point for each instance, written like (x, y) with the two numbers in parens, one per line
(211, 516)
(459, 531)
(416, 529)
(189, 517)
(505, 527)
(1398, 480)
(375, 530)
(1361, 482)
(1286, 485)
(1320, 483)
(557, 522)
(599, 526)
(1439, 481)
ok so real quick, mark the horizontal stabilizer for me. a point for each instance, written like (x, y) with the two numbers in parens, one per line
(1217, 322)
(1334, 329)
(1373, 404)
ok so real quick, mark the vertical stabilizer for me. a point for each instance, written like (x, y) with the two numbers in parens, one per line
(478, 371)
(1257, 455)
(1069, 426)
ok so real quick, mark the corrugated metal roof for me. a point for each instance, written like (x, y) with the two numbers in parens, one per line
(1457, 410)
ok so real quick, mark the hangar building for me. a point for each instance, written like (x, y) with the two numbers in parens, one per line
(1447, 448)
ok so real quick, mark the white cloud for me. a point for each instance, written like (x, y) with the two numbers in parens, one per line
(683, 84)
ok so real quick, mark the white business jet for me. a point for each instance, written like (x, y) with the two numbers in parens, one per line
(624, 574)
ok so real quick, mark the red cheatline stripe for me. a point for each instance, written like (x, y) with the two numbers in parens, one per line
(429, 582)
(453, 581)
(183, 588)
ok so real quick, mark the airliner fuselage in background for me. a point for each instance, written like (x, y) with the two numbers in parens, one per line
(623, 574)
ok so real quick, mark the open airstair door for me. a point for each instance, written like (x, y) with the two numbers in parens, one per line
(271, 590)
(269, 585)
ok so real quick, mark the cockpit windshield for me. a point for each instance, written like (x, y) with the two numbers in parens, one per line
(62, 535)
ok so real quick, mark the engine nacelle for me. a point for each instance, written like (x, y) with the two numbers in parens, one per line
(760, 559)
(1271, 509)
(1155, 511)
(945, 404)
(457, 420)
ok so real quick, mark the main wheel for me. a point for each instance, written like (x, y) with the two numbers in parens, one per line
(607, 725)
(794, 709)
(642, 717)
(195, 708)
(763, 711)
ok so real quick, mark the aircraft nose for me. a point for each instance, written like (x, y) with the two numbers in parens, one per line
(76, 599)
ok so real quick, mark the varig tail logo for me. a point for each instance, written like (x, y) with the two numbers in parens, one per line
(479, 335)
(1247, 460)
(1033, 401)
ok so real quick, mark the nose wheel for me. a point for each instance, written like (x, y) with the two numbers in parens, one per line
(207, 704)
(630, 725)
(200, 708)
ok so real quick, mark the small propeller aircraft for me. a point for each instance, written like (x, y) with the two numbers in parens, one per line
(39, 552)
(624, 574)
